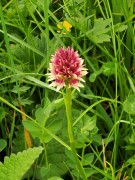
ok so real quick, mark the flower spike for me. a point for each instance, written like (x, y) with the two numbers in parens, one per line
(66, 69)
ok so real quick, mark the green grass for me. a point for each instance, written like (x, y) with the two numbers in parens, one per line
(103, 112)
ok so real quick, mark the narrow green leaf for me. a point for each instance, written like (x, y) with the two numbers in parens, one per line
(3, 144)
(2, 113)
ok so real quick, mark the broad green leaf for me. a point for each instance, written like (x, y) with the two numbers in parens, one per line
(130, 147)
(89, 124)
(56, 159)
(2, 113)
(132, 139)
(44, 171)
(19, 139)
(100, 26)
(31, 126)
(42, 114)
(3, 144)
(93, 76)
(131, 160)
(129, 104)
(24, 102)
(97, 140)
(89, 172)
(108, 68)
(56, 170)
(19, 89)
(120, 28)
(99, 32)
(69, 155)
(88, 159)
(37, 131)
(16, 165)
(55, 178)
(53, 127)
(101, 38)
(84, 129)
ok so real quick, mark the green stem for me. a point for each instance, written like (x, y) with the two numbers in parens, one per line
(68, 105)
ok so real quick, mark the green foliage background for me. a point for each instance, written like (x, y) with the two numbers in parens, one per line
(103, 32)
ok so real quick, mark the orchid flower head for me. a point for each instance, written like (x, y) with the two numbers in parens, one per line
(66, 69)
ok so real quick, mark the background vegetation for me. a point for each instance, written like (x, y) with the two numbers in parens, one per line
(33, 115)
